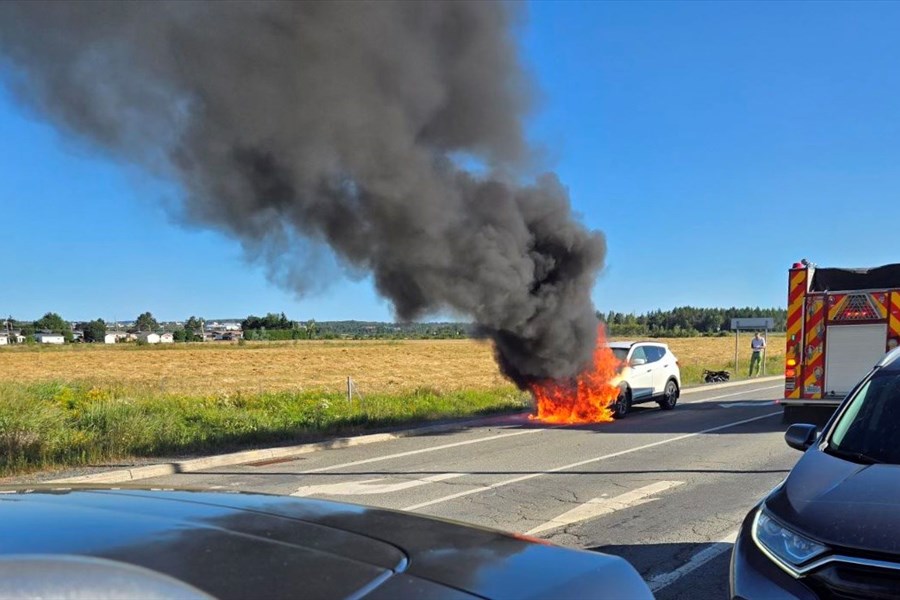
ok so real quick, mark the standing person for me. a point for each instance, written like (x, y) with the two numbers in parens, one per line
(757, 347)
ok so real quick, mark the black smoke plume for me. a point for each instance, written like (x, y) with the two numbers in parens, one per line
(339, 123)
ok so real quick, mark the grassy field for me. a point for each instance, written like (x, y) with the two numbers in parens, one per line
(76, 405)
(376, 366)
(382, 367)
(697, 354)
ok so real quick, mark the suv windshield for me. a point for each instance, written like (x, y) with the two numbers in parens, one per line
(869, 429)
(620, 353)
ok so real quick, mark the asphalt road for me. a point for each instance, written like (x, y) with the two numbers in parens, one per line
(665, 490)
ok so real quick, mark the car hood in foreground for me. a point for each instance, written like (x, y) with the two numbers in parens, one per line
(841, 503)
(234, 545)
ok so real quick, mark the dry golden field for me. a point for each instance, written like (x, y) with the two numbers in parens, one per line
(719, 352)
(376, 366)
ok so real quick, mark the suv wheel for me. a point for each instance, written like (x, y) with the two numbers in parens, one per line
(670, 396)
(622, 405)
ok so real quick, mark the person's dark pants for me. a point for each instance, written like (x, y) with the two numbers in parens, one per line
(755, 362)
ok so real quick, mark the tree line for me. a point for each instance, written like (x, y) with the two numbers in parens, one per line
(686, 321)
(96, 330)
(278, 327)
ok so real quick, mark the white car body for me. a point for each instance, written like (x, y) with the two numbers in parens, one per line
(648, 369)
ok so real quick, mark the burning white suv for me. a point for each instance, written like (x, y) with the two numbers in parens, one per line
(649, 373)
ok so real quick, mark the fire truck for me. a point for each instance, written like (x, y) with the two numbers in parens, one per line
(840, 323)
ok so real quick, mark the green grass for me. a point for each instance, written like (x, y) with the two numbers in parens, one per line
(66, 425)
(693, 374)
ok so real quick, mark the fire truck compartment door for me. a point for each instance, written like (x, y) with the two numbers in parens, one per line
(850, 352)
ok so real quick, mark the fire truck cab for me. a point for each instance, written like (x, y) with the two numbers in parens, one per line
(840, 323)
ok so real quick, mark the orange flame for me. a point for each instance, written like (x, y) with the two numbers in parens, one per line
(586, 399)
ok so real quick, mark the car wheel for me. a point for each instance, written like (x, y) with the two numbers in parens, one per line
(670, 396)
(622, 406)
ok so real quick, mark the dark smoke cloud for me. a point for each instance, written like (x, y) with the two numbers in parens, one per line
(337, 123)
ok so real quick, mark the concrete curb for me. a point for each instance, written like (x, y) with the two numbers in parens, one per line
(235, 458)
(246, 456)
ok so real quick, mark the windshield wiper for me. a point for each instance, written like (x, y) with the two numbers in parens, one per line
(857, 457)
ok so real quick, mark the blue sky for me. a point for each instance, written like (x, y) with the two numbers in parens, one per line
(713, 143)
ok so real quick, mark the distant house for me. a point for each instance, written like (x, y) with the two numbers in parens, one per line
(228, 336)
(148, 337)
(166, 338)
(49, 338)
(4, 339)
(111, 337)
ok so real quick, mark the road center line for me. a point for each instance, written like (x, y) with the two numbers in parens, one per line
(500, 484)
(604, 506)
(486, 439)
(714, 398)
(698, 560)
(711, 387)
(420, 451)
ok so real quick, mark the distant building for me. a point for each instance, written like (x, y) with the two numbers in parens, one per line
(228, 336)
(166, 338)
(49, 338)
(148, 337)
(4, 339)
(111, 337)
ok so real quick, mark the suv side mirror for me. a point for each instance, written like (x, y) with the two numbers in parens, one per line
(636, 362)
(801, 436)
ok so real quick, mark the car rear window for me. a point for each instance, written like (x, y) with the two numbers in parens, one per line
(654, 353)
(870, 427)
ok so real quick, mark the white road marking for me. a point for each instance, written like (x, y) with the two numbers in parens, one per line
(500, 484)
(370, 486)
(420, 451)
(749, 403)
(732, 384)
(698, 560)
(491, 438)
(604, 506)
(714, 398)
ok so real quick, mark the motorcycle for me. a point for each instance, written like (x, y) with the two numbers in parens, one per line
(716, 376)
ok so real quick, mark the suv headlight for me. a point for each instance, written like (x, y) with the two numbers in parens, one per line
(786, 546)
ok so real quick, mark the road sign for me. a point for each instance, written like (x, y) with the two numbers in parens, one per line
(751, 323)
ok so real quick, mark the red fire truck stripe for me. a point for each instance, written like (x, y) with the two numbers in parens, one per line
(880, 308)
(795, 302)
(796, 294)
(895, 315)
(837, 307)
(815, 352)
